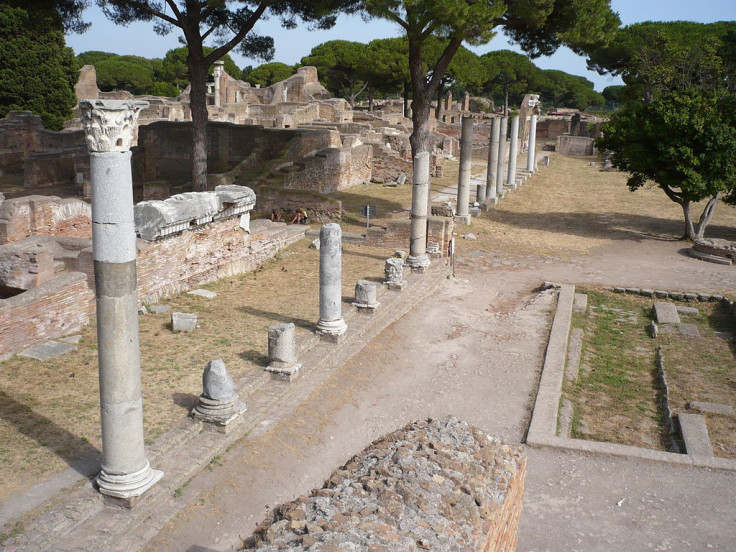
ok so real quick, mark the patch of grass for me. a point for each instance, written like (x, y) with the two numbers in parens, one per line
(619, 397)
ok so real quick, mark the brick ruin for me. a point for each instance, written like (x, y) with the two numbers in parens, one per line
(47, 281)
(432, 485)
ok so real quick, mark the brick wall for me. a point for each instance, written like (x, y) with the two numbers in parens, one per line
(574, 145)
(44, 215)
(319, 207)
(398, 233)
(55, 308)
(502, 529)
(206, 254)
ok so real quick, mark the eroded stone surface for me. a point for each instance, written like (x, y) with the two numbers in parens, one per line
(434, 485)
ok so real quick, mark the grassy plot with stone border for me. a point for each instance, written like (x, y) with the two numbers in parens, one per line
(618, 397)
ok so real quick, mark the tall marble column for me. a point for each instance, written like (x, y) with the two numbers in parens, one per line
(531, 164)
(513, 151)
(219, 67)
(491, 195)
(418, 259)
(109, 127)
(501, 156)
(331, 323)
(463, 179)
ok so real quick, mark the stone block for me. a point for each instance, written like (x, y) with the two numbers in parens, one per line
(666, 313)
(711, 408)
(688, 310)
(159, 309)
(207, 294)
(48, 350)
(580, 303)
(183, 322)
(695, 434)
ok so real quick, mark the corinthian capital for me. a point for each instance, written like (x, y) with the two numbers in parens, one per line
(109, 125)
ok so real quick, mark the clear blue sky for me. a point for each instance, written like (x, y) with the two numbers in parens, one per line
(291, 45)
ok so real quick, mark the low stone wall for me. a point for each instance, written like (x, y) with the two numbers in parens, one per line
(44, 215)
(436, 485)
(575, 145)
(206, 254)
(53, 309)
(717, 247)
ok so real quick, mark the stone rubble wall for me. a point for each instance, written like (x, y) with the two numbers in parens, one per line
(717, 247)
(433, 485)
(575, 145)
(44, 215)
(58, 307)
(333, 169)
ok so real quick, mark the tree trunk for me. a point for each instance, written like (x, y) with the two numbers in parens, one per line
(198, 105)
(506, 101)
(406, 98)
(706, 216)
(438, 109)
(689, 230)
(370, 98)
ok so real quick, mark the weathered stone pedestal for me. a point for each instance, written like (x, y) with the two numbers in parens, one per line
(219, 404)
(282, 357)
(365, 297)
(418, 260)
(394, 274)
(109, 127)
(331, 325)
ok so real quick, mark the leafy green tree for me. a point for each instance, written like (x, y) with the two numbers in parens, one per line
(562, 89)
(229, 24)
(655, 58)
(37, 71)
(388, 70)
(175, 68)
(339, 64)
(269, 73)
(509, 76)
(465, 71)
(538, 26)
(685, 143)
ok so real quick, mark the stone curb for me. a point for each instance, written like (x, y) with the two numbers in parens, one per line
(543, 427)
(79, 520)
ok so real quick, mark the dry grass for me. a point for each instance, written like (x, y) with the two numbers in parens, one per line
(619, 400)
(50, 414)
(51, 409)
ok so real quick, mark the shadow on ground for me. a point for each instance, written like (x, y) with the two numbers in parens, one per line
(75, 451)
(276, 317)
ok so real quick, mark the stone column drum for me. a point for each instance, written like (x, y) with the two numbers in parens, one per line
(331, 323)
(491, 196)
(513, 151)
(463, 179)
(365, 297)
(501, 156)
(418, 259)
(531, 164)
(282, 354)
(109, 127)
(394, 274)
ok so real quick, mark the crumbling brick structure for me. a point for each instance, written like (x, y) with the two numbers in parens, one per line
(434, 485)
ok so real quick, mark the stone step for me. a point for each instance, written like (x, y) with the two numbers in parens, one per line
(695, 434)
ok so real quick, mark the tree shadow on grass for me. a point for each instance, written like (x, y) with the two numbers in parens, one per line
(359, 254)
(615, 226)
(277, 317)
(79, 454)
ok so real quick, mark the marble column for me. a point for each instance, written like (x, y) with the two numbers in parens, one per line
(418, 259)
(513, 151)
(463, 179)
(531, 164)
(331, 323)
(109, 127)
(501, 157)
(217, 74)
(491, 195)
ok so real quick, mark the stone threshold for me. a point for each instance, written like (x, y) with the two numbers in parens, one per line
(543, 427)
(77, 518)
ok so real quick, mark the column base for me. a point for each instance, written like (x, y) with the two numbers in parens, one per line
(284, 373)
(396, 286)
(218, 414)
(126, 487)
(417, 263)
(332, 330)
(463, 219)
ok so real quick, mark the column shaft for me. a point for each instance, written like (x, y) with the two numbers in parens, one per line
(466, 161)
(531, 164)
(330, 281)
(501, 156)
(493, 159)
(513, 151)
(418, 258)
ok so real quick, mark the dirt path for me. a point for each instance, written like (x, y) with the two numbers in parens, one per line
(475, 351)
